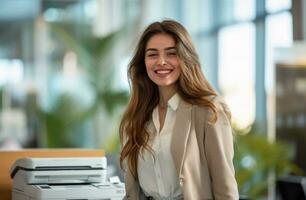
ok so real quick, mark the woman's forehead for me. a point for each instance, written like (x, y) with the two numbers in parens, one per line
(161, 40)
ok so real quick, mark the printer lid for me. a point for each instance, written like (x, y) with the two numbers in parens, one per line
(62, 163)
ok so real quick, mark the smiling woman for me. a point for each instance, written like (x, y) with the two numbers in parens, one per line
(162, 62)
(175, 121)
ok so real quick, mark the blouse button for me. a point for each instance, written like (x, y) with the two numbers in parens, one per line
(181, 182)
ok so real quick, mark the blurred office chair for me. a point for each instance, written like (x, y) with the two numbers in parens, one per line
(291, 188)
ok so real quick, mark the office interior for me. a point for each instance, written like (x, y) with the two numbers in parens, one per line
(63, 76)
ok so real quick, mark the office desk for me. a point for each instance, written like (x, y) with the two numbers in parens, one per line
(7, 159)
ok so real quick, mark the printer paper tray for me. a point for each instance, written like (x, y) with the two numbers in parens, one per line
(70, 192)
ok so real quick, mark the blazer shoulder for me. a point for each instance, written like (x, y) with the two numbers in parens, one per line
(218, 101)
(220, 104)
(206, 113)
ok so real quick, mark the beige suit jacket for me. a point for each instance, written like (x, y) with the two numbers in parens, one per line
(203, 154)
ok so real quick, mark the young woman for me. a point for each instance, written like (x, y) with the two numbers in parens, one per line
(176, 133)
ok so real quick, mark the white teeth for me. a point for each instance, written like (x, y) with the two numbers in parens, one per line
(163, 71)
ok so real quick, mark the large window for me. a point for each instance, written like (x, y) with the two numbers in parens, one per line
(236, 71)
(278, 34)
(248, 33)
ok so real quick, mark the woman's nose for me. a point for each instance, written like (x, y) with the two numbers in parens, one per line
(161, 60)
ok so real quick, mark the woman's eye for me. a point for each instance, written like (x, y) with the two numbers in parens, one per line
(151, 55)
(172, 53)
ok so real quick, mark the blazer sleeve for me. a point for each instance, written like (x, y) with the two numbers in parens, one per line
(219, 150)
(133, 190)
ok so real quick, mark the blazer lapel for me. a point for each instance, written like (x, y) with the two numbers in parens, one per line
(180, 134)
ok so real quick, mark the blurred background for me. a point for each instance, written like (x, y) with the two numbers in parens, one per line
(63, 81)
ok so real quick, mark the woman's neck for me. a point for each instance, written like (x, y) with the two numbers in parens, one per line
(165, 94)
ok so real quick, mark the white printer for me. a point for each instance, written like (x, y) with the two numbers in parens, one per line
(64, 179)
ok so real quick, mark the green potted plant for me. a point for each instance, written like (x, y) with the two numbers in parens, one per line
(257, 158)
(67, 115)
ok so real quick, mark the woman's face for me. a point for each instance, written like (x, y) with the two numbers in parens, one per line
(161, 60)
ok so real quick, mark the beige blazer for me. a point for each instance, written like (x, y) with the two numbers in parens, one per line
(203, 154)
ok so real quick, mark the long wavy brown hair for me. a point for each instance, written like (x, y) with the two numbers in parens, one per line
(192, 87)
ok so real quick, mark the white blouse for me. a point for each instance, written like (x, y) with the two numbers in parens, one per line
(158, 177)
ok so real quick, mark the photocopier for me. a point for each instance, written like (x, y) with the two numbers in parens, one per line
(77, 178)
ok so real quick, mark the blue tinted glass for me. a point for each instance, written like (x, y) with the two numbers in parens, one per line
(277, 5)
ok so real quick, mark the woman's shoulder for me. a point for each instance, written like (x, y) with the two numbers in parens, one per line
(220, 103)
(217, 100)
(220, 107)
(207, 114)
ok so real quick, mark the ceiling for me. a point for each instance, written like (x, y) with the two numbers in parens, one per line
(16, 10)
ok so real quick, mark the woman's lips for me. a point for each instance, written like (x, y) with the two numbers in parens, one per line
(163, 71)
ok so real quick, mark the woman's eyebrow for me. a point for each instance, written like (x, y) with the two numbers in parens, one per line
(151, 49)
(170, 48)
(167, 48)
